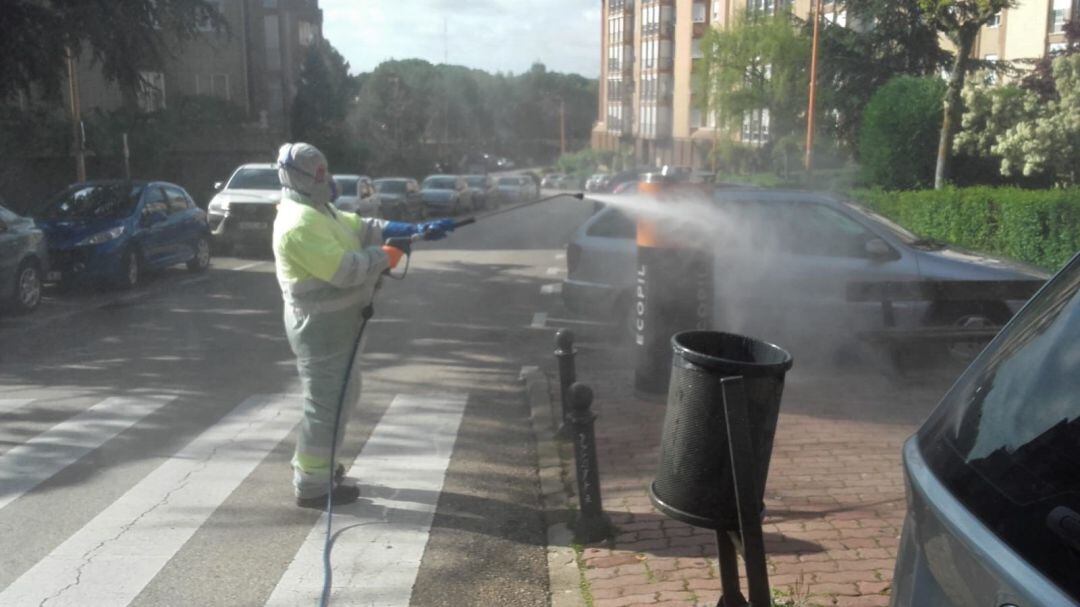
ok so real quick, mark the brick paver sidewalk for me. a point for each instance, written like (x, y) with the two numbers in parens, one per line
(834, 500)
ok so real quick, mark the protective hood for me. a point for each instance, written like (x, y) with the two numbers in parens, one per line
(302, 169)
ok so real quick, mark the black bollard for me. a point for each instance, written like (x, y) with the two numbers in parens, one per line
(564, 356)
(592, 524)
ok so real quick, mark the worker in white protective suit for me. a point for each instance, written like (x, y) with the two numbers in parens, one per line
(328, 265)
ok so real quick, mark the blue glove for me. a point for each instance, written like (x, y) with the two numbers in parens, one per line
(399, 229)
(436, 230)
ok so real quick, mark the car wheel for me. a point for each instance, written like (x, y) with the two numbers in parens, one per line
(201, 261)
(27, 287)
(990, 315)
(130, 270)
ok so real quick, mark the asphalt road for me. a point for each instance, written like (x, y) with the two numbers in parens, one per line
(145, 436)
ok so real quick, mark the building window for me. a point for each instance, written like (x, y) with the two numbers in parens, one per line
(991, 74)
(306, 33)
(270, 4)
(213, 85)
(1058, 47)
(219, 6)
(717, 10)
(273, 42)
(696, 118)
(994, 21)
(1060, 16)
(151, 95)
(700, 12)
(755, 128)
(695, 49)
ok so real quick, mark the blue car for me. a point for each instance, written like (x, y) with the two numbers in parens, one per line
(111, 232)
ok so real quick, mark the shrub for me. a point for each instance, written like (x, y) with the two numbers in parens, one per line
(899, 135)
(1041, 227)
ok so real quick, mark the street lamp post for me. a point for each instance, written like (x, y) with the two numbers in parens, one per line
(809, 160)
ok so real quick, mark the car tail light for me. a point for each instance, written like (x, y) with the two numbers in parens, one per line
(573, 256)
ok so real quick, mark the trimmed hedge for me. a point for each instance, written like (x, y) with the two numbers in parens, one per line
(1041, 227)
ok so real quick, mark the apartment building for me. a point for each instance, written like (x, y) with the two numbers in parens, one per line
(646, 105)
(255, 65)
(1027, 31)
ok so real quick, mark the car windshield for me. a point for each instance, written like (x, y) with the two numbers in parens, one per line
(509, 181)
(255, 179)
(346, 185)
(897, 230)
(393, 186)
(440, 183)
(477, 182)
(104, 201)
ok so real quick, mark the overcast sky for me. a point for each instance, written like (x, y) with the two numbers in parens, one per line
(494, 35)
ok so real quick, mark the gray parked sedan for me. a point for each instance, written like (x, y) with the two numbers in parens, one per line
(993, 476)
(797, 255)
(23, 262)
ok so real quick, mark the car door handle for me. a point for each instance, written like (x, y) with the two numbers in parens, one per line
(1065, 523)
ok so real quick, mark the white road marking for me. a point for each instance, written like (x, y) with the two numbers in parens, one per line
(554, 270)
(111, 559)
(247, 266)
(380, 540)
(539, 320)
(551, 289)
(7, 405)
(26, 466)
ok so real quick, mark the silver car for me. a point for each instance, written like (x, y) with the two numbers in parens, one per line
(993, 476)
(819, 246)
(243, 210)
(515, 188)
(23, 262)
(356, 194)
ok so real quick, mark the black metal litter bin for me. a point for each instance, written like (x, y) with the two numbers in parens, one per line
(694, 482)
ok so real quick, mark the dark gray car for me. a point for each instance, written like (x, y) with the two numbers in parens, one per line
(993, 476)
(23, 262)
(799, 251)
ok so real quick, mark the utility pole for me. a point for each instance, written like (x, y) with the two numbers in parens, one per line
(809, 161)
(562, 126)
(77, 139)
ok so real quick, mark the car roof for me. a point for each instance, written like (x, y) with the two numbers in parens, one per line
(441, 175)
(258, 165)
(395, 179)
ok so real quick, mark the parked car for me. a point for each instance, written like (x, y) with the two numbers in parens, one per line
(571, 182)
(243, 210)
(482, 191)
(626, 187)
(356, 194)
(551, 180)
(627, 176)
(113, 231)
(993, 508)
(400, 199)
(24, 262)
(534, 182)
(819, 245)
(515, 188)
(445, 195)
(597, 182)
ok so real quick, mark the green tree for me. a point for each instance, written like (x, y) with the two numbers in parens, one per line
(323, 97)
(1047, 140)
(760, 62)
(855, 61)
(896, 142)
(121, 36)
(960, 22)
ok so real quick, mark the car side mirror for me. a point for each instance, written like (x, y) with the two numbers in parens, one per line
(219, 185)
(879, 250)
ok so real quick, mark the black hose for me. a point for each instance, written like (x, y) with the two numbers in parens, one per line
(328, 544)
(468, 220)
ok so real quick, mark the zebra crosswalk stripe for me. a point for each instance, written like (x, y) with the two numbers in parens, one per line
(380, 540)
(26, 466)
(115, 555)
(7, 405)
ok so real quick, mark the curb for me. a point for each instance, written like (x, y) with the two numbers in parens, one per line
(564, 577)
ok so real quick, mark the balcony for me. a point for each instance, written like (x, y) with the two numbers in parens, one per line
(620, 6)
